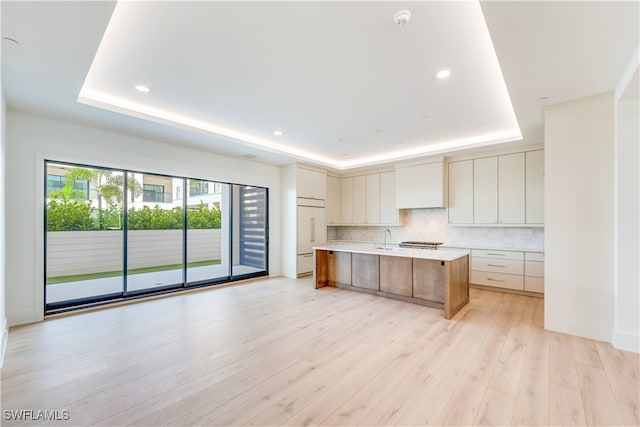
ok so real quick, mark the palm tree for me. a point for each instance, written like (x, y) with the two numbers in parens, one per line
(108, 186)
(67, 193)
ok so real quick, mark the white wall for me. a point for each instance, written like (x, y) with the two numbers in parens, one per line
(579, 217)
(31, 139)
(288, 176)
(3, 317)
(432, 225)
(626, 334)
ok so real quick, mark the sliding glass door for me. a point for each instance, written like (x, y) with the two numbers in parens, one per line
(113, 234)
(84, 238)
(207, 231)
(155, 241)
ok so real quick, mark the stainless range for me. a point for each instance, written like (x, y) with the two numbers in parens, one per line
(420, 245)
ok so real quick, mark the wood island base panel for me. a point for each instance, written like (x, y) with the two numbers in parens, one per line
(438, 279)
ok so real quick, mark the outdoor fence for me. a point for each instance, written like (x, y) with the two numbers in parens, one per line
(85, 252)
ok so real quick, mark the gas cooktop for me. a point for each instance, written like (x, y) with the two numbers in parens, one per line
(420, 245)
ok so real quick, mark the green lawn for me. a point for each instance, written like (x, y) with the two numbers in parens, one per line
(102, 275)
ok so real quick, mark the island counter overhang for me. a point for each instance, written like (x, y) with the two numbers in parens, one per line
(435, 278)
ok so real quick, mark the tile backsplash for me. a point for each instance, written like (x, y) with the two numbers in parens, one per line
(432, 225)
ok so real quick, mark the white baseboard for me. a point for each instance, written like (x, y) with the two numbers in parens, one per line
(23, 317)
(4, 334)
(625, 341)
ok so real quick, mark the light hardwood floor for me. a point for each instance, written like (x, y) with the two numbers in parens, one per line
(278, 352)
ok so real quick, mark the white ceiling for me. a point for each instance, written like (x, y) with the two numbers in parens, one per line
(318, 71)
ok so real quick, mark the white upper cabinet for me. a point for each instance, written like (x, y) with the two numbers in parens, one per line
(485, 190)
(334, 199)
(311, 184)
(319, 185)
(511, 189)
(388, 211)
(534, 179)
(359, 199)
(420, 186)
(507, 189)
(461, 192)
(346, 206)
(373, 199)
(362, 200)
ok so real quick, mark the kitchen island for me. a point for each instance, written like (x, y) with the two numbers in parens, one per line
(435, 278)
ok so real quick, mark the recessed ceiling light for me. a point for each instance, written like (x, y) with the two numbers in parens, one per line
(443, 74)
(277, 133)
(142, 88)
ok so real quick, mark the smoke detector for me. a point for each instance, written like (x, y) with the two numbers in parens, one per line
(402, 17)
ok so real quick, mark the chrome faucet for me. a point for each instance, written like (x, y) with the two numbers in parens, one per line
(385, 237)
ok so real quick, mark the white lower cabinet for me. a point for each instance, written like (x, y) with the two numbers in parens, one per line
(305, 263)
(507, 266)
(534, 284)
(522, 271)
(498, 280)
(534, 272)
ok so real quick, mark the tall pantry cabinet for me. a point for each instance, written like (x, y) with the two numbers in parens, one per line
(303, 193)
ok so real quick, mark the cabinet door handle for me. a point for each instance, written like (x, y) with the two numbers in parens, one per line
(495, 265)
(313, 230)
(307, 256)
(489, 253)
(494, 280)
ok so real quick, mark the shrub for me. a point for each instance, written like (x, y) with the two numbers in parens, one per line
(78, 215)
(203, 218)
(69, 215)
(155, 219)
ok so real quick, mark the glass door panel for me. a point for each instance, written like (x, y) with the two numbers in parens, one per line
(207, 231)
(154, 232)
(250, 238)
(84, 238)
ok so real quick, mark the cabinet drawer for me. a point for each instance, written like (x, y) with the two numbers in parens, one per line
(534, 268)
(484, 253)
(534, 256)
(494, 265)
(305, 263)
(499, 280)
(533, 284)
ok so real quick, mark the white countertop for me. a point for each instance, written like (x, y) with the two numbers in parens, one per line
(449, 246)
(492, 248)
(394, 250)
